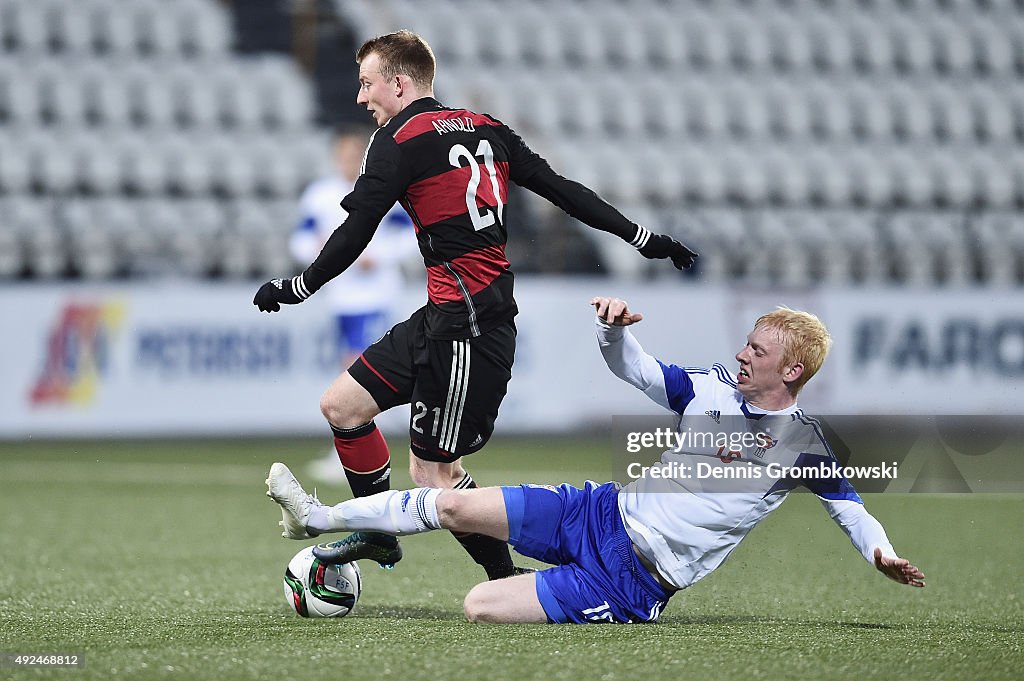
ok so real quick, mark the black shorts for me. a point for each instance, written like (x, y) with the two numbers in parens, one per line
(454, 387)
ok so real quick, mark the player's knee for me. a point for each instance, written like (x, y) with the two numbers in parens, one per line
(343, 412)
(452, 509)
(329, 409)
(479, 605)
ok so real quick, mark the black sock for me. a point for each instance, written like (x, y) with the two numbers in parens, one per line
(489, 553)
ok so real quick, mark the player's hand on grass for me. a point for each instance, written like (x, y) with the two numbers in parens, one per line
(663, 246)
(615, 311)
(275, 292)
(898, 569)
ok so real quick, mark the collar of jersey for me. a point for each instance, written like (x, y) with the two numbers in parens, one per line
(752, 412)
(419, 106)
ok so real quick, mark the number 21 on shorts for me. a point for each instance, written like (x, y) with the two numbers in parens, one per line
(421, 411)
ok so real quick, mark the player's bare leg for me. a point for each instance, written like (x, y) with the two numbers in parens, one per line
(490, 554)
(505, 601)
(350, 409)
(482, 511)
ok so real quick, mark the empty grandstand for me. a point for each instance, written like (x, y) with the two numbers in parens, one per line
(794, 142)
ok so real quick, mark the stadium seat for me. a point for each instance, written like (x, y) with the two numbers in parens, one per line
(540, 40)
(872, 51)
(141, 164)
(24, 25)
(951, 47)
(911, 47)
(910, 114)
(106, 96)
(746, 111)
(586, 37)
(15, 162)
(61, 101)
(786, 184)
(663, 37)
(92, 242)
(97, 169)
(991, 179)
(186, 167)
(157, 29)
(662, 175)
(204, 28)
(623, 38)
(831, 50)
(114, 30)
(952, 116)
(70, 29)
(992, 47)
(708, 46)
(790, 46)
(788, 114)
(45, 249)
(907, 177)
(951, 182)
(828, 178)
(869, 182)
(870, 115)
(829, 116)
(992, 115)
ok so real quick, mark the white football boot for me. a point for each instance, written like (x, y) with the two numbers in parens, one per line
(296, 504)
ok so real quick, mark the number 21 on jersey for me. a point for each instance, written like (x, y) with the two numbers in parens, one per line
(481, 220)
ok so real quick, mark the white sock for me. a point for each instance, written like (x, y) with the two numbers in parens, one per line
(395, 512)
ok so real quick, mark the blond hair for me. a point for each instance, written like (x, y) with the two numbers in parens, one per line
(402, 53)
(805, 340)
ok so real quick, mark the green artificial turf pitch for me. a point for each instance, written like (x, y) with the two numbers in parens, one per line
(158, 559)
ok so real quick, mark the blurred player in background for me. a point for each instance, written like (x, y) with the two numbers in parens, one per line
(452, 359)
(621, 552)
(361, 297)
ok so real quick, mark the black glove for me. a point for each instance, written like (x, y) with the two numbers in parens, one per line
(277, 291)
(663, 246)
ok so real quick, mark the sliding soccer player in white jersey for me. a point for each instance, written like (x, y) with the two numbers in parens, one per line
(620, 552)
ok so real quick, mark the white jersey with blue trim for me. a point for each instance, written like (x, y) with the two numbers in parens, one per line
(375, 279)
(726, 473)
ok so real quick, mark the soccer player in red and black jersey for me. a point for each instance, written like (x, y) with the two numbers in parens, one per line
(452, 359)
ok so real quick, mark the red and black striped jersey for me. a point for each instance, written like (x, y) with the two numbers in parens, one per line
(450, 169)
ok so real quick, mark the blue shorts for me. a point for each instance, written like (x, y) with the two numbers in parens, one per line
(598, 577)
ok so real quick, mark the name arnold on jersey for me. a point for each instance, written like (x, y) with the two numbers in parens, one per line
(464, 124)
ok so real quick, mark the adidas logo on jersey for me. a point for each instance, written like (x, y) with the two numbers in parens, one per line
(715, 414)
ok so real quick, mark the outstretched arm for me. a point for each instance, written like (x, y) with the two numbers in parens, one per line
(868, 535)
(623, 353)
(583, 204)
(531, 171)
(384, 178)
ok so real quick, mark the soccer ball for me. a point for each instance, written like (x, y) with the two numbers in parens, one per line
(317, 589)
